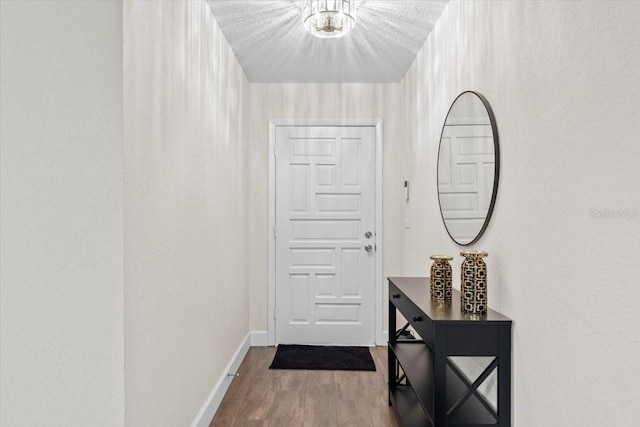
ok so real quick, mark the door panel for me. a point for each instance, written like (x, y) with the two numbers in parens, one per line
(465, 190)
(325, 203)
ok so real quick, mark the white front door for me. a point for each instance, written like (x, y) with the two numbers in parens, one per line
(465, 178)
(325, 223)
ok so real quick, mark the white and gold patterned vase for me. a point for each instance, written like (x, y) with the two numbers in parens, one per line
(473, 285)
(441, 278)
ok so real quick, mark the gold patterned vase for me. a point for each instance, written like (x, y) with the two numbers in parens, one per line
(473, 285)
(441, 278)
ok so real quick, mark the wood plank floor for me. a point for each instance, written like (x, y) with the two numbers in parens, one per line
(299, 398)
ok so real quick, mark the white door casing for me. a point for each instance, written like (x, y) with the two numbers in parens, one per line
(325, 287)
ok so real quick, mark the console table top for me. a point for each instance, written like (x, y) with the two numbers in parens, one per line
(417, 289)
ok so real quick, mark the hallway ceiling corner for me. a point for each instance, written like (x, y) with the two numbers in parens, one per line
(272, 46)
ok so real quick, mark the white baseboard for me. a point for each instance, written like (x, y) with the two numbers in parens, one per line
(208, 410)
(259, 338)
(385, 338)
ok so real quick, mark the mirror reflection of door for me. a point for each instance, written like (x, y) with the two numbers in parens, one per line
(466, 168)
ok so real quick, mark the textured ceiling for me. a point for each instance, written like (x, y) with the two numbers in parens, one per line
(272, 46)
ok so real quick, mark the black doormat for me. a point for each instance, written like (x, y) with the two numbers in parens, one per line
(323, 358)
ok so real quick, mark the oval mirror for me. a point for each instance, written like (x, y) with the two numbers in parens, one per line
(468, 164)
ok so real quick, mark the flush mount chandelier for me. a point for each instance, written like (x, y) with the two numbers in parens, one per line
(329, 18)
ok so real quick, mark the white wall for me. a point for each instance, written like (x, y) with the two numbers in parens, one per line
(186, 181)
(61, 214)
(322, 101)
(563, 79)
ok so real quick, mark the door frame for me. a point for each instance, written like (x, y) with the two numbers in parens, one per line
(271, 258)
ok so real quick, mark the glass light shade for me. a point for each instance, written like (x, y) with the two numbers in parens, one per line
(329, 18)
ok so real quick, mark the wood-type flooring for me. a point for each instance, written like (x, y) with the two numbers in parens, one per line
(265, 397)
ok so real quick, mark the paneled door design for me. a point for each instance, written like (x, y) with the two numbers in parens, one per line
(325, 236)
(465, 178)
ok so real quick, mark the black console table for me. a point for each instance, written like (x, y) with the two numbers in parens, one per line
(426, 386)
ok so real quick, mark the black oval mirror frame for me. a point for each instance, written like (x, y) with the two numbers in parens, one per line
(494, 191)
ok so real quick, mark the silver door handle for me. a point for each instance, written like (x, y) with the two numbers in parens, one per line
(368, 248)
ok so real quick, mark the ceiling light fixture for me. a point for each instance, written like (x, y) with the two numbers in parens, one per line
(329, 18)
